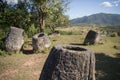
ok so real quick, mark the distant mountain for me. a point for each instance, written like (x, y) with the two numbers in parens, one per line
(100, 18)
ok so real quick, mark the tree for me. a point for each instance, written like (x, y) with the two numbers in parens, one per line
(57, 21)
(2, 5)
(52, 9)
(17, 15)
(26, 13)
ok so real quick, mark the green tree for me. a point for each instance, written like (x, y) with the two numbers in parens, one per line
(26, 13)
(17, 15)
(50, 9)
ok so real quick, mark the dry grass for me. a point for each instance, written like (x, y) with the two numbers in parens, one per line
(28, 66)
(21, 66)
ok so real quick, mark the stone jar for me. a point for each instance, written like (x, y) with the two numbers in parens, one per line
(40, 41)
(14, 39)
(92, 37)
(67, 62)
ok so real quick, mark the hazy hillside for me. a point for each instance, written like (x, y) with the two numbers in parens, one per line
(100, 18)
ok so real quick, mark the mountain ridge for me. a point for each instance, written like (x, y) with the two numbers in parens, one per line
(99, 18)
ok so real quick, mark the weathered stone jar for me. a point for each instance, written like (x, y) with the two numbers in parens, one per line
(40, 41)
(14, 39)
(66, 62)
(92, 37)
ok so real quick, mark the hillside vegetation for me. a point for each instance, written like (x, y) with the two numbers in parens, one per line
(100, 19)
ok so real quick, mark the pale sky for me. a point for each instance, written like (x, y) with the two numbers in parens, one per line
(80, 8)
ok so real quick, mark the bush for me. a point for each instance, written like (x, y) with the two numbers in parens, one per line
(2, 52)
(118, 33)
(32, 30)
(48, 31)
(1, 44)
(114, 34)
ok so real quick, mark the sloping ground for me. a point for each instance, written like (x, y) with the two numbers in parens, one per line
(28, 66)
(21, 66)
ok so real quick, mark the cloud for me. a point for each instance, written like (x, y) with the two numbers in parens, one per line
(12, 1)
(116, 3)
(111, 4)
(107, 4)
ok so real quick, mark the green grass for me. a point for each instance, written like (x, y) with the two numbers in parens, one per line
(27, 66)
(70, 32)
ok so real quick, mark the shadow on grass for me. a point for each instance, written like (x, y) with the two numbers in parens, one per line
(77, 44)
(27, 51)
(107, 68)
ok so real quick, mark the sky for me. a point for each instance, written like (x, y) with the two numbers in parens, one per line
(80, 8)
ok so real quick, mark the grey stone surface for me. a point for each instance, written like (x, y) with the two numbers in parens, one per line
(66, 62)
(117, 47)
(92, 37)
(40, 41)
(14, 39)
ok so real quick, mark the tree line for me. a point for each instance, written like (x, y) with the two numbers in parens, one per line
(34, 15)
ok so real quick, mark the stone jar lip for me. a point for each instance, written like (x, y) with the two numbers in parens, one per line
(72, 48)
(39, 35)
(17, 28)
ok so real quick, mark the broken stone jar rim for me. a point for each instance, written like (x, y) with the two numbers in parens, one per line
(39, 35)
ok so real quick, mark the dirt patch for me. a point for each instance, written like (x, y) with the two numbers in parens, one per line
(29, 63)
(8, 72)
(36, 73)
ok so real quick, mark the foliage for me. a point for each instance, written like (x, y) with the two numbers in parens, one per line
(59, 21)
(2, 53)
(118, 33)
(27, 13)
(17, 15)
(1, 44)
(70, 32)
(32, 30)
(112, 31)
(48, 30)
(114, 34)
(51, 12)
(99, 19)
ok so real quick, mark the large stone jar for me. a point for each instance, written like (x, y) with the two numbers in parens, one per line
(14, 39)
(92, 37)
(66, 62)
(40, 41)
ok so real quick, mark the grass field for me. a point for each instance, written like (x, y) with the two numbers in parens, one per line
(28, 65)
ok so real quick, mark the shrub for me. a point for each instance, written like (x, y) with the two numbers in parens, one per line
(114, 34)
(118, 33)
(47, 31)
(32, 30)
(1, 44)
(2, 52)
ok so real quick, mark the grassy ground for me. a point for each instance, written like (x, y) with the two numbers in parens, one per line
(28, 66)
